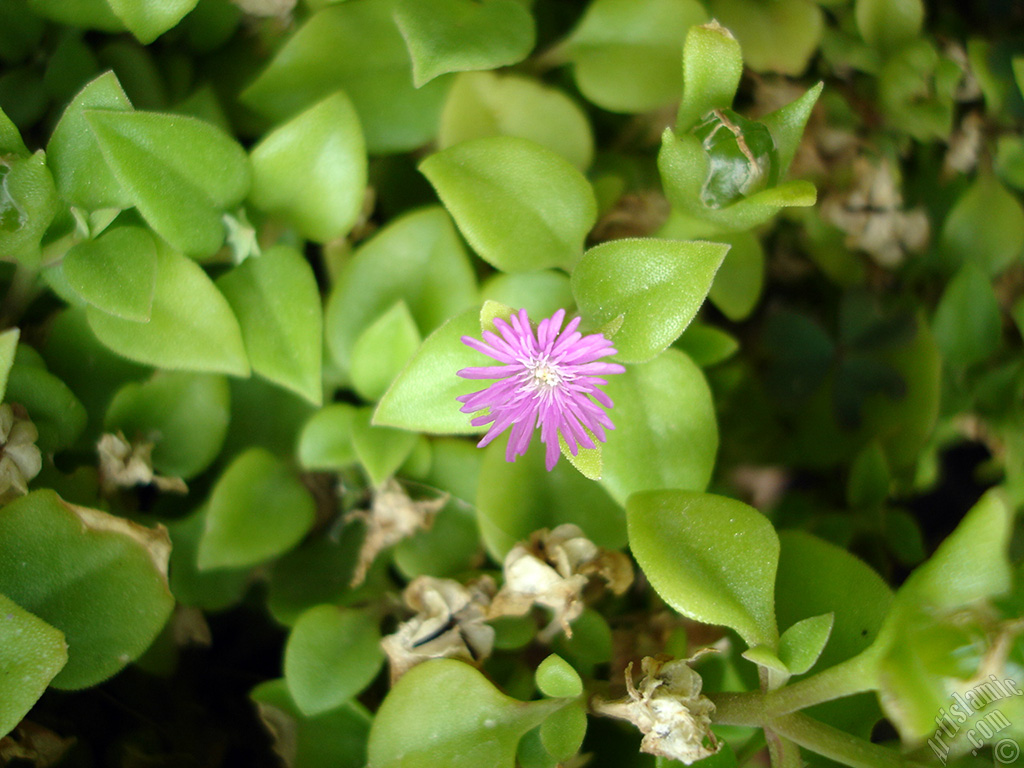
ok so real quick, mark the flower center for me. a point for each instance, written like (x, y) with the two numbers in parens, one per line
(544, 375)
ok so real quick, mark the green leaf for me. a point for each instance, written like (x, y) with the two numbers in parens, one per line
(985, 227)
(562, 732)
(185, 415)
(28, 203)
(74, 155)
(461, 35)
(514, 499)
(148, 20)
(115, 273)
(417, 258)
(375, 72)
(258, 509)
(540, 293)
(869, 481)
(325, 442)
(277, 302)
(712, 66)
(331, 655)
(191, 325)
(968, 322)
(209, 590)
(802, 644)
(99, 579)
(556, 678)
(422, 398)
(382, 350)
(707, 345)
(626, 55)
(763, 656)
(312, 170)
(8, 345)
(11, 142)
(484, 104)
(503, 184)
(787, 124)
(657, 285)
(381, 450)
(665, 432)
(180, 172)
(889, 24)
(477, 726)
(31, 653)
(91, 14)
(587, 461)
(709, 557)
(51, 405)
(780, 36)
(334, 739)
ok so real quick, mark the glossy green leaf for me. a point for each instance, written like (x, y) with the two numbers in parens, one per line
(985, 227)
(28, 203)
(212, 589)
(148, 20)
(381, 450)
(422, 398)
(562, 732)
(375, 72)
(115, 273)
(191, 325)
(52, 406)
(31, 653)
(709, 557)
(81, 173)
(656, 285)
(185, 415)
(99, 579)
(277, 302)
(180, 172)
(503, 184)
(514, 499)
(626, 55)
(712, 65)
(665, 432)
(780, 36)
(334, 739)
(968, 322)
(888, 24)
(802, 644)
(461, 35)
(312, 170)
(410, 731)
(382, 350)
(417, 258)
(331, 655)
(556, 678)
(484, 104)
(325, 442)
(8, 345)
(258, 509)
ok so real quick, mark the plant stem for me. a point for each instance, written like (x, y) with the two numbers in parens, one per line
(837, 745)
(739, 708)
(845, 679)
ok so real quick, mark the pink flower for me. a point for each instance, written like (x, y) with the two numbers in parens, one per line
(548, 380)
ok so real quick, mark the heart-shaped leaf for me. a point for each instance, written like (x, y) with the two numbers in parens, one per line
(115, 273)
(312, 170)
(99, 579)
(710, 557)
(180, 172)
(258, 509)
(656, 285)
(504, 184)
(277, 303)
(462, 35)
(191, 325)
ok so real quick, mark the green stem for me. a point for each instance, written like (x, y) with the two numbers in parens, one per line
(855, 675)
(837, 745)
(739, 708)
